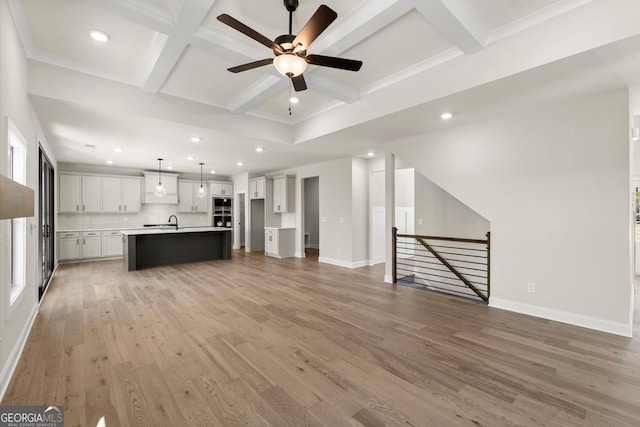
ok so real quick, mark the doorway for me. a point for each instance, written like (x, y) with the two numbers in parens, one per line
(45, 222)
(241, 220)
(311, 217)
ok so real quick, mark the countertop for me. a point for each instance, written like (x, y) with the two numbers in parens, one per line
(171, 230)
(125, 228)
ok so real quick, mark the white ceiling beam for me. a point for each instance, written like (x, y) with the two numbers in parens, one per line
(457, 21)
(257, 93)
(334, 88)
(368, 18)
(186, 23)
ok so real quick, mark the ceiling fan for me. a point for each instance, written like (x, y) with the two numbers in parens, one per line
(290, 50)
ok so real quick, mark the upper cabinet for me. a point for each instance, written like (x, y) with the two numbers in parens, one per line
(188, 200)
(256, 188)
(221, 188)
(121, 194)
(80, 194)
(92, 193)
(169, 182)
(284, 194)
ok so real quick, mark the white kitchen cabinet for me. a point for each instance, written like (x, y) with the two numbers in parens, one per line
(79, 193)
(91, 244)
(111, 243)
(169, 182)
(120, 195)
(69, 190)
(131, 194)
(221, 188)
(91, 194)
(68, 246)
(279, 242)
(256, 188)
(284, 194)
(188, 200)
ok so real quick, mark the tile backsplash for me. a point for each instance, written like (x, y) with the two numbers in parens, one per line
(149, 214)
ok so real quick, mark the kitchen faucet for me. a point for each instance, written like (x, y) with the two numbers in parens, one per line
(176, 218)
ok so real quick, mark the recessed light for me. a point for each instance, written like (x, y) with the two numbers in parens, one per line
(196, 139)
(89, 145)
(109, 162)
(190, 158)
(240, 164)
(446, 116)
(294, 100)
(118, 150)
(212, 172)
(259, 149)
(100, 36)
(170, 168)
(371, 154)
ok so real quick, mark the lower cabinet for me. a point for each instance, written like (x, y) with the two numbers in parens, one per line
(68, 245)
(91, 244)
(75, 245)
(279, 242)
(111, 243)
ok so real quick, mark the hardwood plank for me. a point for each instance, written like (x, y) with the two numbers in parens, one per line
(262, 341)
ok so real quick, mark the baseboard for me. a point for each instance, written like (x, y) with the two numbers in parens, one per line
(300, 255)
(378, 260)
(622, 329)
(341, 263)
(388, 278)
(12, 361)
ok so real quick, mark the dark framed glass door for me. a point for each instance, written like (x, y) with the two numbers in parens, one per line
(46, 215)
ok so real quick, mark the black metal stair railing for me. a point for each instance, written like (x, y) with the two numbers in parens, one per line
(446, 264)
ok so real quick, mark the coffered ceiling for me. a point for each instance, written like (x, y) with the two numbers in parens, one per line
(162, 78)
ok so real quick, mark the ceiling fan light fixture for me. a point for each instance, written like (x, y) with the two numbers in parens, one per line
(290, 65)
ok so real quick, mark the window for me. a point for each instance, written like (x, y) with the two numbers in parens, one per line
(17, 232)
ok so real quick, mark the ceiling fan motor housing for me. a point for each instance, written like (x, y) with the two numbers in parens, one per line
(291, 5)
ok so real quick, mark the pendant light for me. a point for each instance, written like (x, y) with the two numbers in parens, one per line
(201, 191)
(160, 190)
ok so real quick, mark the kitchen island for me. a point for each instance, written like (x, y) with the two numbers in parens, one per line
(153, 247)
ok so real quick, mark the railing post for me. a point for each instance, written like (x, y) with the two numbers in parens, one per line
(394, 241)
(488, 264)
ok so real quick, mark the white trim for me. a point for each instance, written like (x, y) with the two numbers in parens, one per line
(388, 278)
(615, 328)
(16, 352)
(300, 255)
(378, 260)
(341, 263)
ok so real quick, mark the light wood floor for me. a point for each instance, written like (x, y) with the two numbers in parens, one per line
(261, 341)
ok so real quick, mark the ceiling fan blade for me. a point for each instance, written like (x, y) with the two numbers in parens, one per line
(333, 62)
(250, 65)
(319, 22)
(298, 83)
(247, 31)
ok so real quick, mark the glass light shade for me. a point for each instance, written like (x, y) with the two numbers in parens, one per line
(290, 65)
(201, 192)
(160, 190)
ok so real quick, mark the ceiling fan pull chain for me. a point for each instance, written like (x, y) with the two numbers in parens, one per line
(290, 84)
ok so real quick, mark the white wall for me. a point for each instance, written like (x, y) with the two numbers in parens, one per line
(14, 104)
(554, 182)
(438, 213)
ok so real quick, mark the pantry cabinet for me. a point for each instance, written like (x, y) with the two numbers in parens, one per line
(284, 194)
(257, 188)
